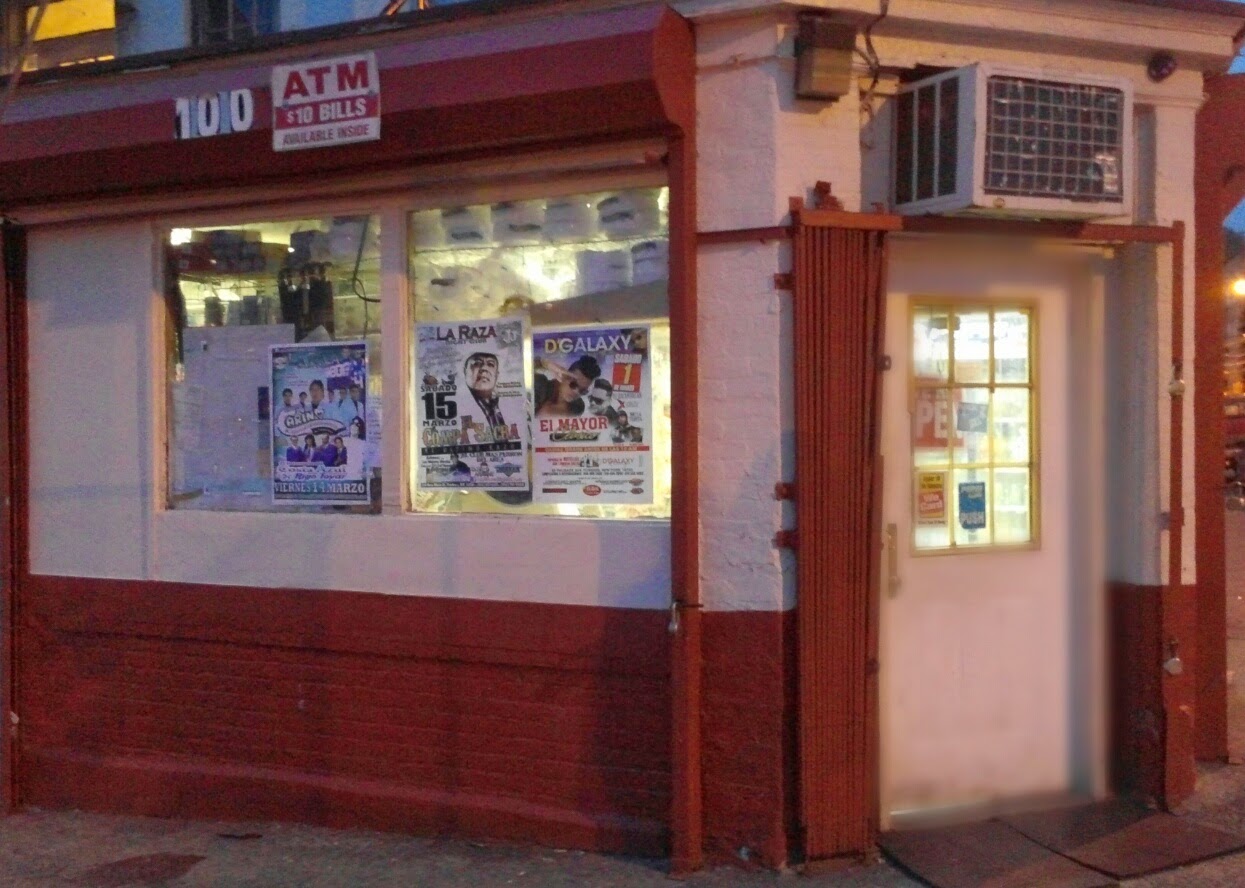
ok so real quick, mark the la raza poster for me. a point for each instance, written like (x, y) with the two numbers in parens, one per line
(320, 436)
(472, 405)
(592, 429)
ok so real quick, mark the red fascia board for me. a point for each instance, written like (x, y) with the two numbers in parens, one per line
(1205, 7)
(634, 82)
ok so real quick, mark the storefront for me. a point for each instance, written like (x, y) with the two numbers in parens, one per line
(434, 429)
(378, 521)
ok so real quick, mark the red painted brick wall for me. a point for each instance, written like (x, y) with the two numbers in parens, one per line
(749, 736)
(1152, 731)
(532, 722)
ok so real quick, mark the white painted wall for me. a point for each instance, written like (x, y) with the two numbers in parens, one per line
(90, 486)
(758, 147)
(97, 510)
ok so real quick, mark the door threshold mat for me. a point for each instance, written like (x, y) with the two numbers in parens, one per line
(1124, 839)
(989, 854)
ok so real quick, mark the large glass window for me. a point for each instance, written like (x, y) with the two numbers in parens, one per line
(78, 31)
(275, 377)
(973, 430)
(69, 32)
(542, 356)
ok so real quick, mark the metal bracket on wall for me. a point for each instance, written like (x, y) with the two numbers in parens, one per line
(784, 280)
(787, 539)
(784, 490)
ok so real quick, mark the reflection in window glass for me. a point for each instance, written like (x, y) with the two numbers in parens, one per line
(1011, 346)
(931, 348)
(274, 395)
(972, 438)
(70, 32)
(562, 304)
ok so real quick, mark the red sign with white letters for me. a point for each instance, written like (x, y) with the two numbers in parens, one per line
(326, 102)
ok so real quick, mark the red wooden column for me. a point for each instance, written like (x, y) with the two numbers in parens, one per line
(1218, 186)
(839, 291)
(12, 489)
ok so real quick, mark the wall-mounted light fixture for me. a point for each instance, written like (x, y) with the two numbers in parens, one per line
(1161, 66)
(823, 57)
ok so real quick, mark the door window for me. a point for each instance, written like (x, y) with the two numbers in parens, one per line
(973, 402)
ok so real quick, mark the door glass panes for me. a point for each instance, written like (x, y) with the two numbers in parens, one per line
(972, 427)
(1011, 513)
(1011, 346)
(972, 346)
(931, 350)
(1010, 425)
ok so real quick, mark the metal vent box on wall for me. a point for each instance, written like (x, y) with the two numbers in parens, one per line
(995, 139)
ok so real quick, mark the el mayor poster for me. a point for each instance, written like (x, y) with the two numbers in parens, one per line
(321, 445)
(472, 405)
(592, 428)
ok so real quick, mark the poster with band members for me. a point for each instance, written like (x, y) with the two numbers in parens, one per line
(321, 442)
(472, 405)
(592, 431)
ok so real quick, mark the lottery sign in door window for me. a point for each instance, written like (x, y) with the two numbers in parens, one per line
(593, 424)
(323, 450)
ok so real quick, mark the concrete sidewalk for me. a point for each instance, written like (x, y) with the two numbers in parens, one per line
(40, 848)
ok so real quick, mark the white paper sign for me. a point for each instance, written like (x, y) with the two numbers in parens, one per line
(326, 102)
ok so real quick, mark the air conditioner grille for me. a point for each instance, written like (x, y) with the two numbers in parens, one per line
(1053, 139)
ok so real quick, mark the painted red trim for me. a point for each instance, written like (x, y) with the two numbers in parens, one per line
(545, 95)
(137, 786)
(535, 722)
(1179, 611)
(839, 300)
(12, 490)
(1206, 7)
(687, 809)
(1219, 186)
(750, 759)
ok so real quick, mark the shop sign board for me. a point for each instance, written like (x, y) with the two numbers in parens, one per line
(326, 102)
(931, 499)
(472, 405)
(323, 448)
(972, 505)
(593, 422)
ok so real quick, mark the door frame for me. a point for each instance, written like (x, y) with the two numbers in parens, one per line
(846, 822)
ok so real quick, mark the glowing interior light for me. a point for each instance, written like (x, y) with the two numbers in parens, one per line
(1238, 287)
(179, 236)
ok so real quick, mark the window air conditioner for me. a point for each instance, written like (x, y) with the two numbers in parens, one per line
(999, 140)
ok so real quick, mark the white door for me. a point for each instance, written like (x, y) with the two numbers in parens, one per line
(976, 613)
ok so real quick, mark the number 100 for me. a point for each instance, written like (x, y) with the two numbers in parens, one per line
(214, 115)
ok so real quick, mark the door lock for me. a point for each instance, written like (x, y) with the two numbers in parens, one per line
(1173, 665)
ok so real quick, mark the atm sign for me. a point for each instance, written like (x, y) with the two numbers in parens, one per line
(326, 102)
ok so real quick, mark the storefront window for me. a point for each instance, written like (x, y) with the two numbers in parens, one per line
(541, 356)
(275, 366)
(69, 32)
(79, 31)
(972, 427)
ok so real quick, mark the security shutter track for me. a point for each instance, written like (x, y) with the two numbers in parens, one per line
(839, 284)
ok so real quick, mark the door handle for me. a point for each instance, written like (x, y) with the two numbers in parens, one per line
(893, 582)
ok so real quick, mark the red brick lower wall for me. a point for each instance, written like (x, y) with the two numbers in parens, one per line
(749, 757)
(1152, 714)
(531, 722)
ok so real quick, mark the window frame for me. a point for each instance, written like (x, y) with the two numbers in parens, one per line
(953, 305)
(393, 207)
